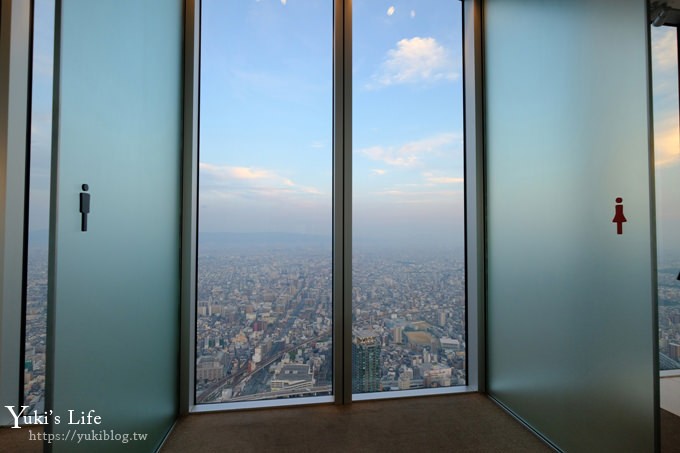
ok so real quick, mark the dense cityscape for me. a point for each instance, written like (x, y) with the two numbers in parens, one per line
(265, 318)
(669, 316)
(36, 329)
(264, 323)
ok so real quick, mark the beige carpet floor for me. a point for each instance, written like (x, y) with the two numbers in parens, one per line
(670, 432)
(17, 440)
(454, 423)
(378, 426)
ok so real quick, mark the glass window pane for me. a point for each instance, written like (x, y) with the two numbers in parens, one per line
(39, 209)
(408, 271)
(264, 309)
(667, 167)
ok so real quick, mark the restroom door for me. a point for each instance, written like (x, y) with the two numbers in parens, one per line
(114, 277)
(571, 295)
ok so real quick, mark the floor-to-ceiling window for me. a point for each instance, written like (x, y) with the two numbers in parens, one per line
(35, 320)
(264, 308)
(408, 264)
(667, 173)
(264, 305)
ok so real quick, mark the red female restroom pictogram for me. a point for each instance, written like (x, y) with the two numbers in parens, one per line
(619, 218)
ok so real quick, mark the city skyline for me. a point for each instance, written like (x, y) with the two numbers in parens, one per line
(266, 165)
(275, 176)
(262, 310)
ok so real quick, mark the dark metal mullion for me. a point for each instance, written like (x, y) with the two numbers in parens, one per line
(189, 209)
(342, 202)
(347, 204)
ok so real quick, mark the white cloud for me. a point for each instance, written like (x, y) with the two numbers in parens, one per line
(664, 66)
(413, 13)
(229, 181)
(664, 48)
(283, 2)
(416, 60)
(436, 179)
(410, 154)
(390, 10)
(421, 197)
(378, 171)
(667, 140)
(390, 156)
(665, 83)
(228, 172)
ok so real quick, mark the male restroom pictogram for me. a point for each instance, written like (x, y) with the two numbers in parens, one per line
(84, 207)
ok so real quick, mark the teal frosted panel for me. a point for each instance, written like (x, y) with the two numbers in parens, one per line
(114, 290)
(570, 301)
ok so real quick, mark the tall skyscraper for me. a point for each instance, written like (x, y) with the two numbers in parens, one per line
(365, 361)
(674, 351)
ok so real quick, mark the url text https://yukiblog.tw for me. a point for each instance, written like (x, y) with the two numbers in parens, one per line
(73, 435)
(84, 419)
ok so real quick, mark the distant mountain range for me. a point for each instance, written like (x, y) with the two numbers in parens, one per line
(40, 238)
(208, 241)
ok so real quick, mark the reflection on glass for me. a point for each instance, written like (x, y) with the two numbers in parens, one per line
(408, 271)
(38, 212)
(667, 166)
(264, 310)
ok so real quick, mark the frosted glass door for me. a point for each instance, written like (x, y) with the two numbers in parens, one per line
(571, 299)
(114, 289)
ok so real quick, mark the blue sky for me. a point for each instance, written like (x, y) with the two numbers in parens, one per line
(266, 105)
(41, 121)
(408, 121)
(266, 118)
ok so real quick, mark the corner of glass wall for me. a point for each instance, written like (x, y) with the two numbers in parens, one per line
(666, 101)
(189, 221)
(664, 42)
(474, 194)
